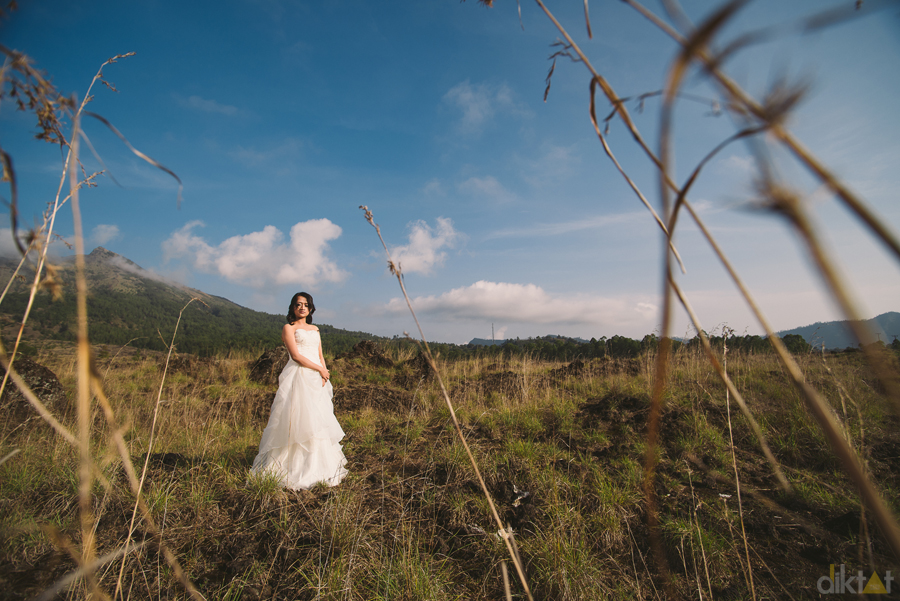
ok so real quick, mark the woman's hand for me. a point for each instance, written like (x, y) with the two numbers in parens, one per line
(325, 375)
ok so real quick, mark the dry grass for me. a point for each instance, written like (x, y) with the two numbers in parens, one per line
(410, 522)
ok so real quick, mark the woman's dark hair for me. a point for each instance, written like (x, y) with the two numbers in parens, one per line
(312, 308)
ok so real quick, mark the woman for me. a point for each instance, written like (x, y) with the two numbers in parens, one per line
(301, 443)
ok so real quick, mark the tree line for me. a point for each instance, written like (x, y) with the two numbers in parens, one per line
(561, 348)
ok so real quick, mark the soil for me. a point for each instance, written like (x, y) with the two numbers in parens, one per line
(357, 396)
(369, 352)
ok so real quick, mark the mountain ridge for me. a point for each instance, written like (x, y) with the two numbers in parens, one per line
(838, 335)
(128, 304)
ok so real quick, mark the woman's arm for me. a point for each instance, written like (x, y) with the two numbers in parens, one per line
(325, 374)
(321, 356)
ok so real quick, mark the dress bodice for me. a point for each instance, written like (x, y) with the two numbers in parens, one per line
(308, 343)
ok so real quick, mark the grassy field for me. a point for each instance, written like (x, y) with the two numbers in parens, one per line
(561, 447)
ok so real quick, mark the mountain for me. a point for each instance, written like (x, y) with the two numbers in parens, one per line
(837, 334)
(130, 305)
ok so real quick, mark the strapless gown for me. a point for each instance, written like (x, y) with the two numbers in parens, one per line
(301, 442)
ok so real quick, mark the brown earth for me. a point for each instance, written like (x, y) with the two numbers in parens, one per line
(42, 382)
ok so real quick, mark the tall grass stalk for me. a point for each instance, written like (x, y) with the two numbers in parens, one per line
(88, 545)
(737, 478)
(505, 534)
(150, 441)
(696, 519)
(694, 48)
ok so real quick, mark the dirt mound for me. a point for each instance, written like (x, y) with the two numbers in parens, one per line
(502, 382)
(608, 366)
(183, 363)
(353, 398)
(419, 364)
(614, 408)
(413, 372)
(42, 382)
(369, 352)
(164, 462)
(266, 369)
(575, 368)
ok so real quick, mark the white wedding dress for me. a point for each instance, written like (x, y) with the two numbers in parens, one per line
(301, 443)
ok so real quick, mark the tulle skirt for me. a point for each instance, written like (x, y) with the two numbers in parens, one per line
(301, 443)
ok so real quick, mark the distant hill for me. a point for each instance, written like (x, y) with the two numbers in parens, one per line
(837, 334)
(130, 305)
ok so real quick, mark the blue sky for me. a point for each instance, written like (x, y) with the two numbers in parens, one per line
(282, 117)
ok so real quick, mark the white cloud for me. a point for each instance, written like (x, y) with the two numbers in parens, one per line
(284, 156)
(486, 187)
(424, 249)
(59, 247)
(103, 233)
(528, 303)
(479, 103)
(703, 205)
(8, 245)
(557, 163)
(648, 310)
(434, 187)
(262, 258)
(207, 106)
(126, 265)
(739, 164)
(559, 228)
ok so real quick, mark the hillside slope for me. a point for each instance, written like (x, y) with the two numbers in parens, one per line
(128, 304)
(837, 334)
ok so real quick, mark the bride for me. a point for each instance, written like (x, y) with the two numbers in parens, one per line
(301, 443)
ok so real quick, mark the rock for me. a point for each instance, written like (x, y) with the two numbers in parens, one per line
(267, 368)
(369, 352)
(575, 368)
(43, 383)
